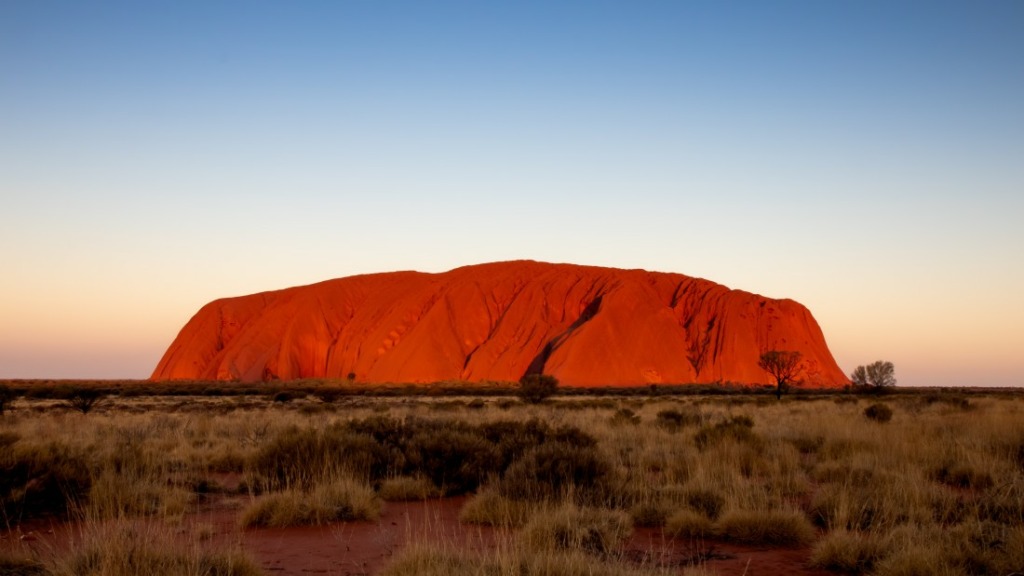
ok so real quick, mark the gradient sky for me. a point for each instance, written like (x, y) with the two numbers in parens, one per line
(865, 158)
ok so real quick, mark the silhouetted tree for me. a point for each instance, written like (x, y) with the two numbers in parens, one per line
(84, 399)
(783, 365)
(535, 388)
(875, 376)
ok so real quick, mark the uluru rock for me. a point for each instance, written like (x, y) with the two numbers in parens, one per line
(587, 326)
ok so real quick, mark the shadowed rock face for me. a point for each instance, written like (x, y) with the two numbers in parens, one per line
(587, 326)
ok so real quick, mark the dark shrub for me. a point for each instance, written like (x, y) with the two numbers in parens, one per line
(554, 470)
(456, 461)
(285, 396)
(535, 388)
(625, 416)
(878, 412)
(738, 428)
(961, 475)
(6, 398)
(41, 480)
(673, 420)
(708, 502)
(476, 404)
(328, 395)
(302, 457)
(84, 399)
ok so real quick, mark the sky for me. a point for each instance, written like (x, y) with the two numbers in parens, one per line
(865, 158)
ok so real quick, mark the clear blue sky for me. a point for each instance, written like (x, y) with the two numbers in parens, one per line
(864, 158)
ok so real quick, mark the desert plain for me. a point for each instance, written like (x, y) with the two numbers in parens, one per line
(328, 478)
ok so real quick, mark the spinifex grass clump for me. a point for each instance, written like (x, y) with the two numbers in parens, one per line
(569, 527)
(336, 501)
(127, 550)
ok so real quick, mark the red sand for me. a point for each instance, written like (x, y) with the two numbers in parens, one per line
(365, 548)
(587, 326)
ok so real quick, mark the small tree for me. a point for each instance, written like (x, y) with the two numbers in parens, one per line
(6, 397)
(875, 376)
(535, 388)
(783, 365)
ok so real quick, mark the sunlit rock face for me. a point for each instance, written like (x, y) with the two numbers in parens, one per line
(585, 325)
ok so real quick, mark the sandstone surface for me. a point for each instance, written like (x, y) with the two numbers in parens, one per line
(587, 326)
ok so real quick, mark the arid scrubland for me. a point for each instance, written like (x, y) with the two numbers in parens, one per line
(938, 488)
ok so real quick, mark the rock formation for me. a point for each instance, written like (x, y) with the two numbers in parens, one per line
(585, 325)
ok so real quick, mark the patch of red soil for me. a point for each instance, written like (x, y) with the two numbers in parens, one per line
(357, 548)
(365, 548)
(650, 547)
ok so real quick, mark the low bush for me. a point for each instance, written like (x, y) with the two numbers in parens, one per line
(961, 475)
(536, 388)
(625, 416)
(708, 502)
(649, 514)
(557, 470)
(673, 420)
(737, 429)
(456, 461)
(878, 412)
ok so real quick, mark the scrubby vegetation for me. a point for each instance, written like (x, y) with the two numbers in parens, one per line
(938, 488)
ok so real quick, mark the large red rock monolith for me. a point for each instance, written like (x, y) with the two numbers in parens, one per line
(587, 326)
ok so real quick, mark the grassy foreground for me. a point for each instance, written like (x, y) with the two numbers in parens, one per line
(901, 484)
